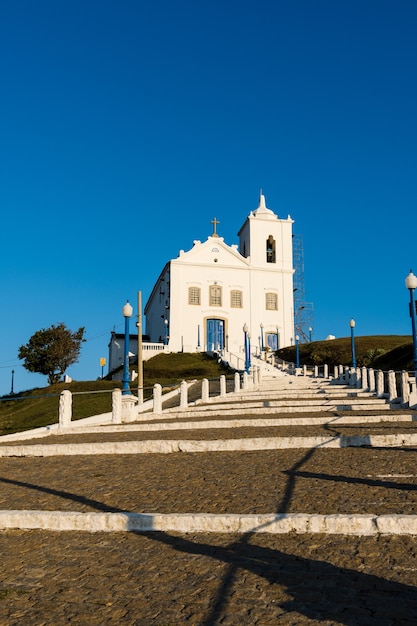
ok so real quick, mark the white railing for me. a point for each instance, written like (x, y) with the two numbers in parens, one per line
(399, 388)
(152, 349)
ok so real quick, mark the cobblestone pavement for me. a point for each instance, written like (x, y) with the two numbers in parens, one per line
(322, 481)
(205, 580)
(163, 579)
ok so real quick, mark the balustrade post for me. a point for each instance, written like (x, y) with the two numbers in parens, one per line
(364, 381)
(222, 385)
(237, 382)
(380, 391)
(392, 386)
(371, 379)
(245, 381)
(157, 398)
(251, 376)
(183, 395)
(405, 388)
(65, 408)
(205, 395)
(116, 406)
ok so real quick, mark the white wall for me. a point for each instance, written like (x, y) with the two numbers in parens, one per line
(213, 261)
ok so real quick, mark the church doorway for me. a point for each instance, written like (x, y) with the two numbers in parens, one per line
(272, 341)
(215, 334)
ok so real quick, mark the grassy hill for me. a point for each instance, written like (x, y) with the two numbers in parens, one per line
(378, 351)
(39, 407)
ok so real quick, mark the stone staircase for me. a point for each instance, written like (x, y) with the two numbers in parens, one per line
(281, 425)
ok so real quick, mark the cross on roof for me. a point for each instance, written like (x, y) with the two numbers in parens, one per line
(214, 222)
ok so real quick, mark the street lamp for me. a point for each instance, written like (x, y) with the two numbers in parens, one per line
(247, 348)
(297, 351)
(262, 337)
(411, 284)
(310, 330)
(127, 314)
(12, 389)
(352, 325)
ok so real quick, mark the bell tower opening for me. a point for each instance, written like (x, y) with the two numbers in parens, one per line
(270, 250)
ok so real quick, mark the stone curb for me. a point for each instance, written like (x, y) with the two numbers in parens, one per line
(194, 411)
(218, 445)
(259, 422)
(359, 525)
(174, 423)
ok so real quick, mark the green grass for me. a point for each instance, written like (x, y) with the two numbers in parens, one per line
(378, 351)
(39, 407)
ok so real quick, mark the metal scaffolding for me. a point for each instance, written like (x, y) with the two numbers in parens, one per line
(303, 311)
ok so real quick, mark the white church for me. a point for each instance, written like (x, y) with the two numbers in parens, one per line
(205, 297)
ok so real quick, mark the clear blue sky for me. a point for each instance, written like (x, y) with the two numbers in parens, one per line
(127, 126)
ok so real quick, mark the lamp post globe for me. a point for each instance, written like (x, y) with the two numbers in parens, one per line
(411, 284)
(127, 314)
(352, 325)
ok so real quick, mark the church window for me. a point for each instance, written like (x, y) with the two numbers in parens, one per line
(194, 295)
(271, 301)
(215, 295)
(270, 249)
(236, 299)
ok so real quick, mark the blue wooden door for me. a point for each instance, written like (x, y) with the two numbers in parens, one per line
(272, 341)
(215, 335)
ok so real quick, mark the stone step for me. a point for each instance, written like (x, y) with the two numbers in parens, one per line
(169, 446)
(174, 423)
(242, 396)
(299, 523)
(246, 411)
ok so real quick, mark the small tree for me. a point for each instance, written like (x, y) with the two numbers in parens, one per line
(50, 351)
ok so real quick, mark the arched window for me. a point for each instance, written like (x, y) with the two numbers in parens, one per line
(271, 301)
(194, 295)
(215, 297)
(270, 249)
(236, 299)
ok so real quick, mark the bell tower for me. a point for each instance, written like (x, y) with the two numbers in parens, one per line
(266, 240)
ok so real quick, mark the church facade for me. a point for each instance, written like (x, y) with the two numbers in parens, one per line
(205, 297)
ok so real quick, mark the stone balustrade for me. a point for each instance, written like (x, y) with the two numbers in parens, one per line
(398, 387)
